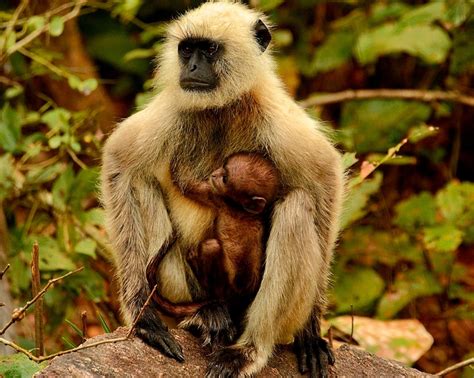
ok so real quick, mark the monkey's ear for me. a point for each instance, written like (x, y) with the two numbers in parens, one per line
(255, 205)
(262, 35)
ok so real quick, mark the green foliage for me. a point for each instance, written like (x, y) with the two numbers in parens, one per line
(376, 125)
(18, 366)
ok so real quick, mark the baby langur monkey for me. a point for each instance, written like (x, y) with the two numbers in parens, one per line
(228, 264)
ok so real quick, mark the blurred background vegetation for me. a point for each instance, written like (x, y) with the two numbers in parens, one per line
(69, 70)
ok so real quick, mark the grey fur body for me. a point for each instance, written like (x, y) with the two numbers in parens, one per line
(180, 137)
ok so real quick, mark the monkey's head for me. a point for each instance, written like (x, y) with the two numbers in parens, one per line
(214, 54)
(247, 179)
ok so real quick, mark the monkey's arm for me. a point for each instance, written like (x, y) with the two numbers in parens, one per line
(200, 191)
(138, 225)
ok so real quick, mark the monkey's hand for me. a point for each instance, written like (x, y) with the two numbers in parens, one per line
(212, 324)
(151, 330)
(313, 353)
(229, 362)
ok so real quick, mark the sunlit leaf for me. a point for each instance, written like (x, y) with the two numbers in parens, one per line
(424, 14)
(418, 210)
(51, 257)
(444, 238)
(19, 366)
(56, 26)
(335, 51)
(10, 128)
(359, 288)
(87, 247)
(408, 286)
(267, 5)
(349, 159)
(421, 132)
(57, 119)
(427, 42)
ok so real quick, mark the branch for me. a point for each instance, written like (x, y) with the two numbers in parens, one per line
(408, 94)
(35, 288)
(456, 366)
(2, 273)
(81, 347)
(20, 312)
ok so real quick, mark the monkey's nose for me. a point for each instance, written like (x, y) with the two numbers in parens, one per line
(193, 68)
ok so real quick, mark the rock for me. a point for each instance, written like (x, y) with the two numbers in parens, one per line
(135, 358)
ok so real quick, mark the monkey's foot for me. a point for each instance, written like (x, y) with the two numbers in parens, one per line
(153, 332)
(213, 324)
(227, 363)
(314, 355)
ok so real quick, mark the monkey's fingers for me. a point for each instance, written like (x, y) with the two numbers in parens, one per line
(226, 363)
(162, 340)
(314, 355)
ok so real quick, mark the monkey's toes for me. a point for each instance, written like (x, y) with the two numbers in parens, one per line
(226, 363)
(161, 339)
(314, 356)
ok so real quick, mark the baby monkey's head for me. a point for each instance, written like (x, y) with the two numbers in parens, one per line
(247, 179)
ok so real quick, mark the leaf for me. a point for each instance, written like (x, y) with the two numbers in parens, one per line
(349, 159)
(418, 210)
(401, 340)
(51, 257)
(358, 287)
(335, 51)
(427, 42)
(86, 247)
(88, 86)
(354, 207)
(13, 92)
(381, 12)
(103, 323)
(408, 286)
(444, 238)
(424, 14)
(267, 5)
(7, 171)
(85, 184)
(55, 141)
(57, 119)
(74, 327)
(415, 134)
(139, 54)
(94, 216)
(56, 26)
(462, 57)
(19, 366)
(377, 125)
(35, 22)
(10, 128)
(37, 176)
(457, 11)
(62, 188)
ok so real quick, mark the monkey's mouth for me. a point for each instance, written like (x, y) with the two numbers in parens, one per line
(197, 85)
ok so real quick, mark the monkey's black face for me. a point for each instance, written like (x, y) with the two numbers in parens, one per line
(198, 56)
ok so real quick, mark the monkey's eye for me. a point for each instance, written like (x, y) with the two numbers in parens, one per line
(185, 50)
(224, 179)
(212, 48)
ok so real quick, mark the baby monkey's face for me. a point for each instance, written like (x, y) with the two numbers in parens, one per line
(219, 181)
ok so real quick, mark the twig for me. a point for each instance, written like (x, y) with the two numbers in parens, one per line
(84, 325)
(137, 318)
(35, 34)
(352, 324)
(331, 343)
(35, 286)
(2, 273)
(81, 347)
(408, 94)
(12, 21)
(20, 312)
(456, 366)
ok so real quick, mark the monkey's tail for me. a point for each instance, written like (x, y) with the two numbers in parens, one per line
(175, 310)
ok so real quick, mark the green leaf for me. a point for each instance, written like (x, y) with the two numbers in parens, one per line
(421, 132)
(427, 42)
(35, 22)
(462, 57)
(87, 247)
(381, 12)
(103, 323)
(37, 176)
(55, 141)
(10, 128)
(408, 286)
(7, 171)
(85, 184)
(349, 159)
(94, 217)
(19, 366)
(377, 125)
(57, 119)
(267, 5)
(74, 327)
(424, 14)
(56, 26)
(62, 189)
(334, 52)
(359, 287)
(354, 207)
(13, 92)
(51, 257)
(444, 238)
(457, 11)
(418, 210)
(139, 54)
(88, 86)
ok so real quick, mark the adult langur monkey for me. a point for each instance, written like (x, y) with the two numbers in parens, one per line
(220, 95)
